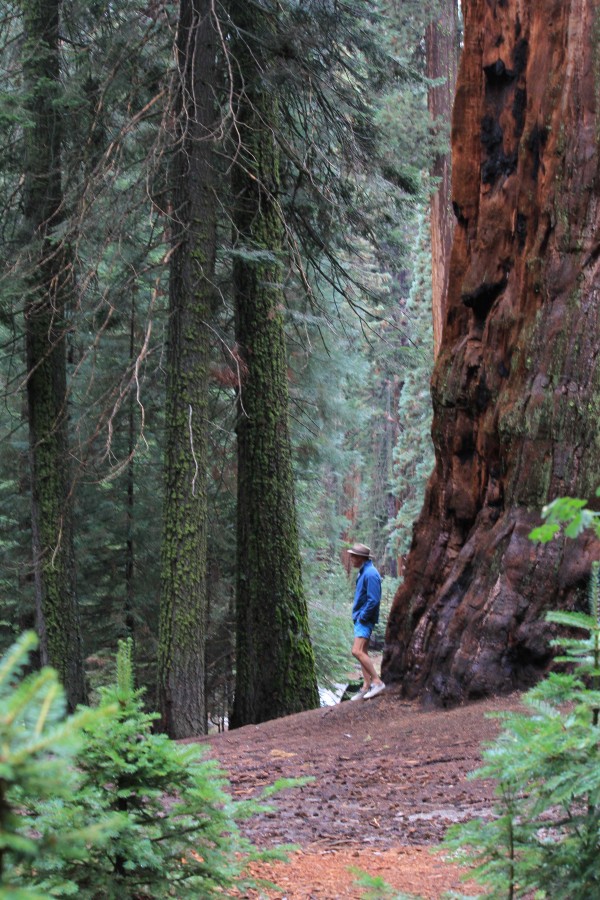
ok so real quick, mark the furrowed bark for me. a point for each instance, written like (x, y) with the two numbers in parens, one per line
(49, 284)
(183, 611)
(442, 60)
(274, 658)
(516, 387)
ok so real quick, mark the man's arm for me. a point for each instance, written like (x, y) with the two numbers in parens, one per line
(373, 591)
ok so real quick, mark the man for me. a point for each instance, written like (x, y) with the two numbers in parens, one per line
(365, 615)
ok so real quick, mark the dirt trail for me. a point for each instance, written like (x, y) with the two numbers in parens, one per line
(389, 778)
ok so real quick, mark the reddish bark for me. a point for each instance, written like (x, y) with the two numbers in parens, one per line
(442, 45)
(516, 387)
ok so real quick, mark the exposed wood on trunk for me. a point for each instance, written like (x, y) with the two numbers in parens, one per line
(442, 63)
(516, 387)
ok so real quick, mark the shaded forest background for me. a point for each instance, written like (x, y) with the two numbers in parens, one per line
(241, 295)
(235, 260)
(92, 107)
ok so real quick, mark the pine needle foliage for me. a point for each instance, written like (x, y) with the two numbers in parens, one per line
(37, 747)
(330, 622)
(176, 832)
(413, 454)
(545, 839)
(375, 888)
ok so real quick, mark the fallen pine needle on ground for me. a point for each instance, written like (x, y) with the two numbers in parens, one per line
(386, 780)
(332, 874)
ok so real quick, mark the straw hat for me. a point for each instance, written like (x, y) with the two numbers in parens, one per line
(360, 550)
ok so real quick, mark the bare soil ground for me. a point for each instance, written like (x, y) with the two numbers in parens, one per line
(389, 778)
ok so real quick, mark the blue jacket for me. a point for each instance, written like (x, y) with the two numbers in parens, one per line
(367, 596)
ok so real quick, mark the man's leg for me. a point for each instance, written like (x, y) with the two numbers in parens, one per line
(359, 652)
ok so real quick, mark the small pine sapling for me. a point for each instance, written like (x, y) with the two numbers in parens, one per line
(544, 841)
(177, 833)
(37, 748)
(373, 887)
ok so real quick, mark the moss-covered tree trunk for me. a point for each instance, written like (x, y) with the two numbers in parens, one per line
(183, 611)
(49, 281)
(275, 672)
(516, 387)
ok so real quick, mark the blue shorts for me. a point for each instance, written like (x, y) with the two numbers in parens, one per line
(362, 631)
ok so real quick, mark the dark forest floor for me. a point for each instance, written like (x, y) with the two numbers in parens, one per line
(389, 778)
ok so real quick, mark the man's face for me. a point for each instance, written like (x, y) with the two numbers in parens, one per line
(357, 561)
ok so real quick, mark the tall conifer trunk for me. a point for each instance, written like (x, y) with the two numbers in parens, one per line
(516, 387)
(183, 612)
(48, 291)
(128, 616)
(442, 62)
(274, 660)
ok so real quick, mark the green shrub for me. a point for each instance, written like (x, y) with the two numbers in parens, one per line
(545, 839)
(570, 514)
(175, 831)
(37, 747)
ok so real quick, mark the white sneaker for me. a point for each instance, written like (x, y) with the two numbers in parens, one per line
(374, 690)
(361, 694)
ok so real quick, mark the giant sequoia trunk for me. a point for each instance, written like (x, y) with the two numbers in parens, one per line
(183, 609)
(275, 672)
(49, 285)
(442, 58)
(516, 388)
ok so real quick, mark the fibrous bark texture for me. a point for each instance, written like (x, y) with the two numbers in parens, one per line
(183, 611)
(49, 284)
(275, 673)
(442, 60)
(516, 387)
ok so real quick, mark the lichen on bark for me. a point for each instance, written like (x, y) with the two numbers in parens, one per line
(183, 605)
(48, 283)
(275, 672)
